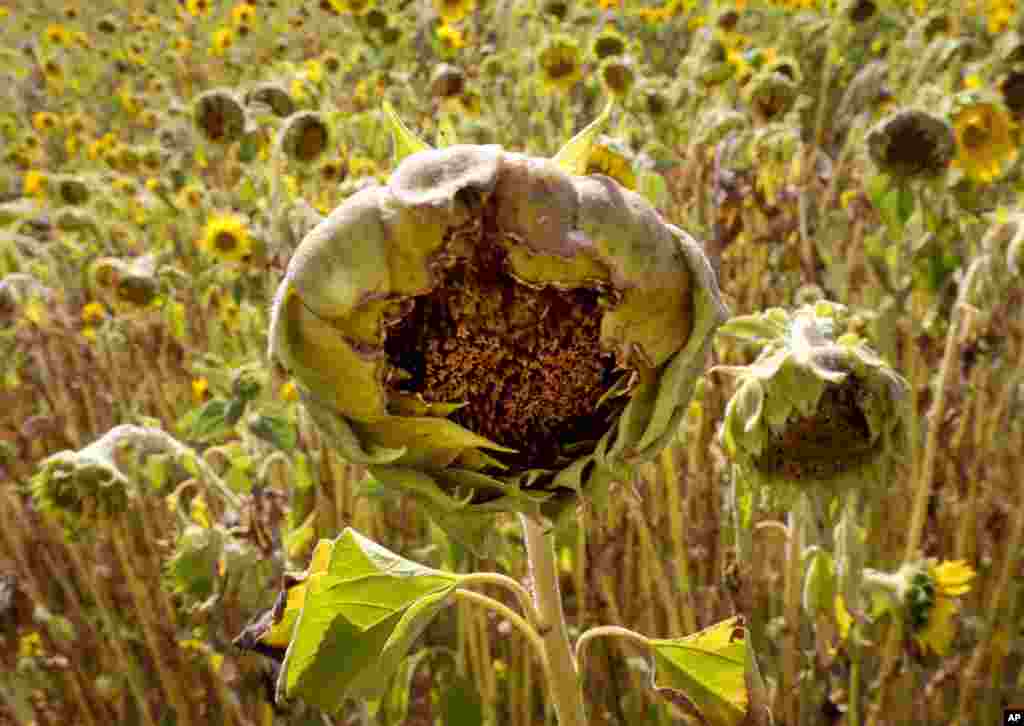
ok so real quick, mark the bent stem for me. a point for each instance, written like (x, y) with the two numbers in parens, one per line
(609, 630)
(563, 680)
(528, 631)
(496, 578)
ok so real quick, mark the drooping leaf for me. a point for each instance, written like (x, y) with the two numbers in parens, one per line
(359, 618)
(707, 668)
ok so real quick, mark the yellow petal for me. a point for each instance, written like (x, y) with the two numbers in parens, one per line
(843, 618)
(938, 634)
(953, 577)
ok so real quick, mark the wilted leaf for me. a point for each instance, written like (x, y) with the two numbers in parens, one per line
(358, 619)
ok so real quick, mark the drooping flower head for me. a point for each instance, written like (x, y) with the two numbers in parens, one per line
(816, 409)
(490, 331)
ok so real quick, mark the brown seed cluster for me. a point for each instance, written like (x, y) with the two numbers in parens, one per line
(834, 440)
(527, 362)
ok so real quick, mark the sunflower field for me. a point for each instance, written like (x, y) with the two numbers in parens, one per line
(511, 362)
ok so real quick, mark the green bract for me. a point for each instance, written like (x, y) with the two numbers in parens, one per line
(490, 332)
(816, 407)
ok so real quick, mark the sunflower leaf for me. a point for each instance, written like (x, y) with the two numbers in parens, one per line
(708, 669)
(358, 620)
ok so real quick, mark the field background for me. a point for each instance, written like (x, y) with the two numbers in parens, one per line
(745, 123)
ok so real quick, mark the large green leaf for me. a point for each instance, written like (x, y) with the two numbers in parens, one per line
(708, 668)
(359, 618)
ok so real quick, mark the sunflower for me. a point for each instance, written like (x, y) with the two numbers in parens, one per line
(58, 34)
(984, 140)
(198, 8)
(609, 157)
(221, 41)
(243, 14)
(44, 121)
(926, 593)
(609, 42)
(617, 76)
(452, 11)
(932, 603)
(226, 237)
(559, 62)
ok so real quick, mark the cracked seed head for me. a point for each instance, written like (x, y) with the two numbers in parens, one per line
(488, 332)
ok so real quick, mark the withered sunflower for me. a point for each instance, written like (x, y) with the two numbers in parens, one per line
(493, 332)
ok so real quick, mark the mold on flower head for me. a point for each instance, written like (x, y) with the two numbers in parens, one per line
(489, 331)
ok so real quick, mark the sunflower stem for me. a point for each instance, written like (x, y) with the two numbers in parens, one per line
(563, 679)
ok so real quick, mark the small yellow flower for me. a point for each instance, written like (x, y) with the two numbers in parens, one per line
(288, 392)
(58, 34)
(45, 122)
(30, 646)
(314, 70)
(198, 8)
(984, 140)
(199, 510)
(221, 41)
(199, 388)
(560, 64)
(243, 14)
(451, 38)
(93, 313)
(34, 184)
(226, 236)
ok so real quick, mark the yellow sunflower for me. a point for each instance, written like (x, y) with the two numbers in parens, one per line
(226, 237)
(609, 157)
(243, 14)
(452, 11)
(984, 138)
(198, 8)
(926, 594)
(950, 580)
(559, 62)
(221, 41)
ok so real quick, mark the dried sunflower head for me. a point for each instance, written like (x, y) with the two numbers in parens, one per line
(817, 408)
(489, 331)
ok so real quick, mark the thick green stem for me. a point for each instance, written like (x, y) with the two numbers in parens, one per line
(563, 680)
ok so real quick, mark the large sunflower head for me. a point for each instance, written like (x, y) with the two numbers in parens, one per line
(560, 63)
(489, 331)
(227, 238)
(984, 136)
